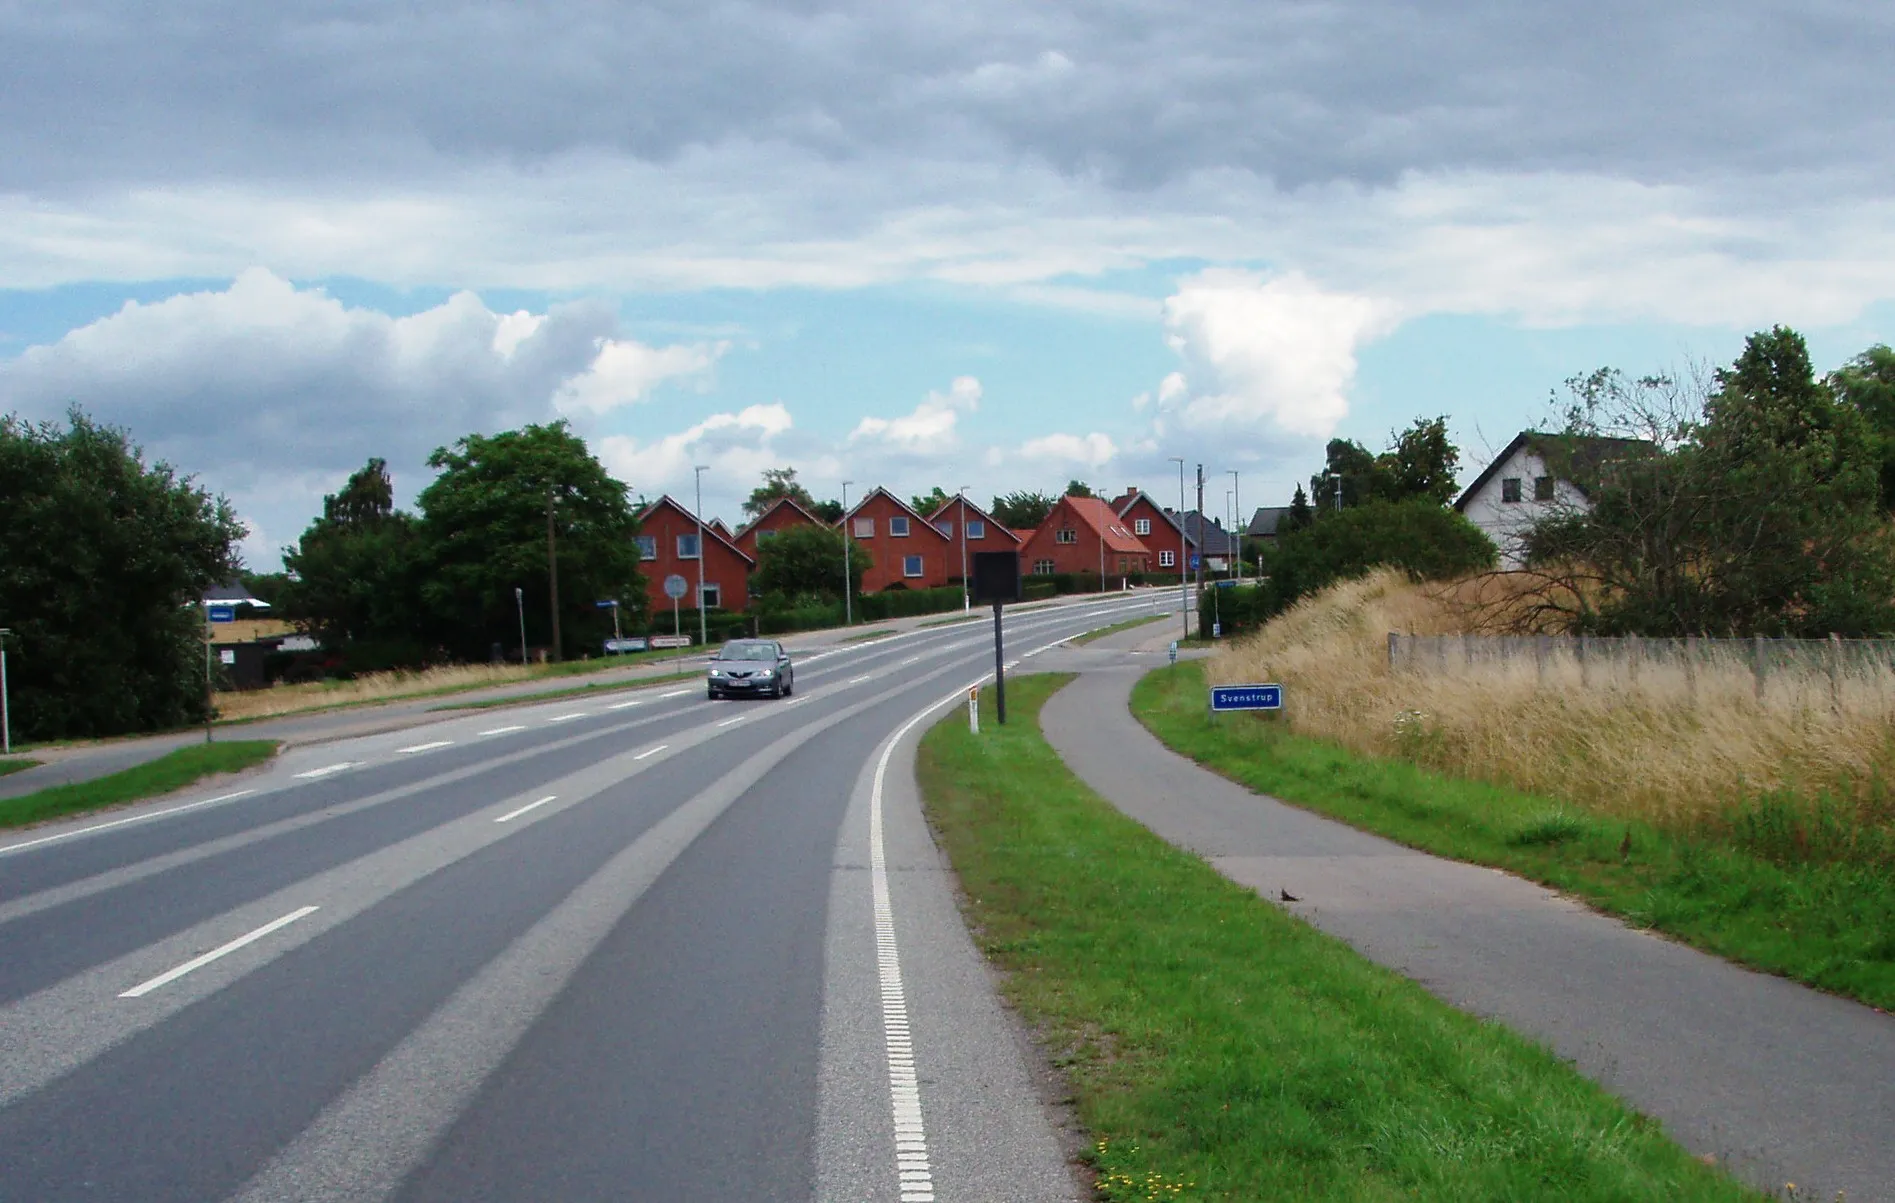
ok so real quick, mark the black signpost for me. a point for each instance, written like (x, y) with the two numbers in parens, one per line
(997, 580)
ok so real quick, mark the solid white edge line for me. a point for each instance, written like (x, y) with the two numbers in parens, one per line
(439, 743)
(327, 769)
(144, 988)
(156, 814)
(651, 751)
(502, 730)
(514, 814)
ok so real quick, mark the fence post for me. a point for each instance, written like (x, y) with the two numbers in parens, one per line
(1691, 666)
(1756, 662)
(1835, 672)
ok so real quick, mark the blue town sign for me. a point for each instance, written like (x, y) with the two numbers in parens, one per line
(1246, 697)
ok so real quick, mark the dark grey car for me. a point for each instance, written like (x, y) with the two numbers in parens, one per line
(751, 668)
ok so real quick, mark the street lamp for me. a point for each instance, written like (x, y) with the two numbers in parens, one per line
(6, 716)
(703, 627)
(519, 604)
(1184, 588)
(1237, 521)
(848, 568)
(1233, 521)
(1337, 477)
(966, 603)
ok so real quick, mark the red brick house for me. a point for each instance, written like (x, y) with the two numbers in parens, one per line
(1083, 535)
(667, 543)
(907, 549)
(1154, 526)
(960, 520)
(782, 514)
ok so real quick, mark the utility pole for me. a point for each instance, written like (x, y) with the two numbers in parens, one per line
(966, 605)
(1184, 559)
(208, 695)
(1199, 574)
(1237, 522)
(6, 716)
(703, 627)
(848, 568)
(519, 605)
(552, 571)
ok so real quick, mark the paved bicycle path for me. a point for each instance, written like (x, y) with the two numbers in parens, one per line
(1779, 1082)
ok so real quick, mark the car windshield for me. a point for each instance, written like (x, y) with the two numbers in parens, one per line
(748, 651)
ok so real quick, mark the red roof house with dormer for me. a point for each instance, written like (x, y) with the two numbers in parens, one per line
(1084, 535)
(1156, 527)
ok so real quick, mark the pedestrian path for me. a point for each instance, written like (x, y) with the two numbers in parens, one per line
(1778, 1082)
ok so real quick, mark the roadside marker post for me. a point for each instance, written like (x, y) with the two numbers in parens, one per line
(1173, 651)
(973, 709)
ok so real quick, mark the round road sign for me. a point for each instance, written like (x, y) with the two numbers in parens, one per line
(676, 587)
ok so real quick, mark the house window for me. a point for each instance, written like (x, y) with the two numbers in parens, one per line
(647, 547)
(898, 527)
(1141, 526)
(865, 528)
(911, 565)
(1542, 488)
(1068, 535)
(687, 547)
(976, 529)
(946, 528)
(1042, 568)
(765, 535)
(1167, 559)
(710, 597)
(1510, 488)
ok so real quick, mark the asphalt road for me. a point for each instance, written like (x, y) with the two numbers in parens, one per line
(638, 946)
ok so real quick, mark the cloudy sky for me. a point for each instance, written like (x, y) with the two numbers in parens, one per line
(968, 243)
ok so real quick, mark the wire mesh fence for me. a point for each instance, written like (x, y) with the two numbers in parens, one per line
(1840, 673)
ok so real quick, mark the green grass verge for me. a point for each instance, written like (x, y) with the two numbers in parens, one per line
(1218, 1048)
(577, 691)
(948, 622)
(16, 765)
(172, 771)
(865, 636)
(1144, 620)
(1829, 925)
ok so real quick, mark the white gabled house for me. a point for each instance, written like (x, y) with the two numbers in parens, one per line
(1518, 488)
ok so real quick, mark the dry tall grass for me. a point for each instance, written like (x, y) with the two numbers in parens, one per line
(1650, 741)
(376, 687)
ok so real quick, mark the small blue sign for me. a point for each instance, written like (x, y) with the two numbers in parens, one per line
(223, 614)
(606, 604)
(1194, 563)
(1227, 584)
(1246, 697)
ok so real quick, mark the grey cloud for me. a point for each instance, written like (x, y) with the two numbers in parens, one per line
(1133, 93)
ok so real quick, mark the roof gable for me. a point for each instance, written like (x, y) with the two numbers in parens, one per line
(1098, 517)
(666, 502)
(772, 508)
(1589, 452)
(985, 516)
(879, 491)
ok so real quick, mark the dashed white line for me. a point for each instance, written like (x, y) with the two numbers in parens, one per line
(908, 661)
(625, 705)
(727, 722)
(676, 693)
(560, 718)
(439, 743)
(172, 975)
(858, 680)
(651, 751)
(502, 730)
(327, 769)
(156, 814)
(514, 814)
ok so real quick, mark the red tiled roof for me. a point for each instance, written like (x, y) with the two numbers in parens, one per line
(949, 504)
(1106, 524)
(709, 529)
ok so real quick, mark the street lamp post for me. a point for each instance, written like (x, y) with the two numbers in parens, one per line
(848, 568)
(1184, 588)
(966, 603)
(1237, 520)
(6, 715)
(703, 627)
(552, 572)
(519, 604)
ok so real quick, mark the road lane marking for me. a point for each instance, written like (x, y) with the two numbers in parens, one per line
(858, 680)
(651, 751)
(908, 661)
(514, 814)
(195, 963)
(623, 705)
(560, 718)
(502, 730)
(676, 693)
(439, 743)
(156, 814)
(727, 722)
(327, 769)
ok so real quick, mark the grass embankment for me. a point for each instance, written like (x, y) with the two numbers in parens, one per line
(172, 771)
(1143, 620)
(1219, 1048)
(16, 765)
(1828, 923)
(865, 636)
(577, 691)
(374, 688)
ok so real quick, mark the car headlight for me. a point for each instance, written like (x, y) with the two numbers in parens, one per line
(765, 672)
(717, 672)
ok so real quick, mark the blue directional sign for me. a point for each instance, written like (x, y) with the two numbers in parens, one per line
(1246, 697)
(223, 614)
(1194, 563)
(606, 604)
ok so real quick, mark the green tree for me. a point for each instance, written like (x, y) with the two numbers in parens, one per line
(1348, 469)
(103, 560)
(777, 483)
(484, 533)
(1867, 385)
(1022, 510)
(1300, 517)
(927, 503)
(829, 511)
(1079, 488)
(355, 575)
(1420, 462)
(802, 562)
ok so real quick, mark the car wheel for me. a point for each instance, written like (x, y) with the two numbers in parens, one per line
(789, 686)
(711, 694)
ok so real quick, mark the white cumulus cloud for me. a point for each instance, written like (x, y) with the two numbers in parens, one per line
(930, 427)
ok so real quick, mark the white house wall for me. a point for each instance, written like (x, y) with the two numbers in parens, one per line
(1506, 522)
